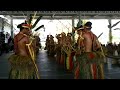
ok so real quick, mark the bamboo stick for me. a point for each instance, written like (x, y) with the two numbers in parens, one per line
(32, 56)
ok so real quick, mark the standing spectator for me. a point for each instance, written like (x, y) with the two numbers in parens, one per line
(2, 42)
(6, 46)
(11, 43)
(118, 49)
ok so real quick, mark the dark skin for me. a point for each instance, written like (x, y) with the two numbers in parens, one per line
(88, 36)
(88, 42)
(20, 41)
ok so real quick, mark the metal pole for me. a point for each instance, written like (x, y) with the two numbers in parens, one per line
(79, 18)
(73, 32)
(110, 31)
(28, 16)
(3, 23)
(12, 26)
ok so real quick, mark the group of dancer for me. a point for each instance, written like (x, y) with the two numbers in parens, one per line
(84, 57)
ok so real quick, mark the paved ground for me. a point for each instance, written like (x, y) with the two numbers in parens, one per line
(47, 66)
(49, 69)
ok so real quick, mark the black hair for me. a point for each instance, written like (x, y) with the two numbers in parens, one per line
(20, 26)
(89, 24)
(69, 34)
(81, 26)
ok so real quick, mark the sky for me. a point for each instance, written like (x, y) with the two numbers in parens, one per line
(57, 26)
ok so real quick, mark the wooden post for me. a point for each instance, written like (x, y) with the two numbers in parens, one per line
(110, 31)
(73, 32)
(12, 26)
(3, 24)
(79, 18)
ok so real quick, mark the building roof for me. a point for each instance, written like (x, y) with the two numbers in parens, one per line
(64, 14)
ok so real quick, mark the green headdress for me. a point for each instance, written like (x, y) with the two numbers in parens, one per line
(32, 26)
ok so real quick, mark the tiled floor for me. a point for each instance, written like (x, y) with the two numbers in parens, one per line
(113, 73)
(49, 69)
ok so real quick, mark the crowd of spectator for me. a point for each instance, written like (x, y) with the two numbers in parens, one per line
(6, 42)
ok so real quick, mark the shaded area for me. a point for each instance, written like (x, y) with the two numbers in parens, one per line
(113, 73)
(49, 69)
(4, 66)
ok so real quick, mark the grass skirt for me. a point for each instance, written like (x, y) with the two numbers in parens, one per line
(88, 66)
(22, 67)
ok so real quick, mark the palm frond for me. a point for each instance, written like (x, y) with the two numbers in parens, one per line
(38, 19)
(115, 24)
(30, 19)
(39, 28)
(79, 23)
(100, 34)
(117, 29)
